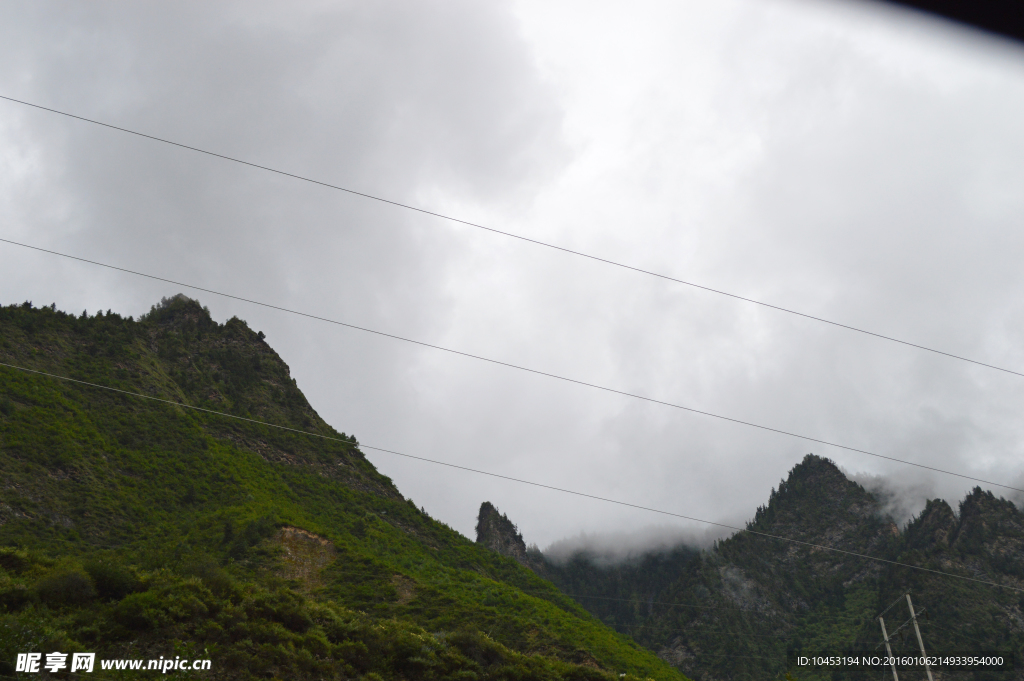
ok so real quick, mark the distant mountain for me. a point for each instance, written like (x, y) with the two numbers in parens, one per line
(746, 607)
(138, 529)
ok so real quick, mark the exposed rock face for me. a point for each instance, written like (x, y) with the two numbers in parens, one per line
(304, 555)
(495, 531)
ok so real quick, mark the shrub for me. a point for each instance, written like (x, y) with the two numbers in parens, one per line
(113, 582)
(14, 598)
(141, 611)
(285, 608)
(253, 532)
(13, 560)
(69, 588)
(213, 577)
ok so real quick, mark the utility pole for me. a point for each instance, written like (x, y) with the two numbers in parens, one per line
(888, 650)
(920, 641)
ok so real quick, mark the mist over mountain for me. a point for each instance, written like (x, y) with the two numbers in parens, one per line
(113, 510)
(125, 522)
(899, 499)
(745, 605)
(611, 548)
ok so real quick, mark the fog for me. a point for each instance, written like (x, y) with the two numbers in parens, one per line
(616, 547)
(853, 162)
(900, 500)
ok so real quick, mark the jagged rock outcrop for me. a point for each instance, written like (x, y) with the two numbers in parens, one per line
(934, 528)
(499, 534)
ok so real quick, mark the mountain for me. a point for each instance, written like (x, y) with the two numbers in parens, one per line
(745, 608)
(140, 529)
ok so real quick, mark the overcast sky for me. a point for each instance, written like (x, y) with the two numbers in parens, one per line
(850, 161)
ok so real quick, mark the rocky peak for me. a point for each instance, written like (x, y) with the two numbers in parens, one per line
(934, 528)
(816, 476)
(815, 500)
(499, 534)
(988, 521)
(495, 531)
(983, 505)
(179, 309)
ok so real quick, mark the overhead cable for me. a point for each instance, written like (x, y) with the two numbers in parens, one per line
(585, 495)
(520, 367)
(520, 237)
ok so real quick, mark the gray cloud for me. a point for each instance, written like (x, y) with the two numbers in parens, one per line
(856, 164)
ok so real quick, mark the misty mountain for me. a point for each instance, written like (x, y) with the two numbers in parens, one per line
(746, 606)
(139, 529)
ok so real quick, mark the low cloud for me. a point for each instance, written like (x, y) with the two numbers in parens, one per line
(900, 499)
(611, 548)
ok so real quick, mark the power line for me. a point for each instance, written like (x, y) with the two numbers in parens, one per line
(554, 636)
(514, 366)
(519, 480)
(892, 634)
(548, 597)
(548, 594)
(655, 629)
(535, 242)
(558, 591)
(956, 633)
(898, 600)
(673, 604)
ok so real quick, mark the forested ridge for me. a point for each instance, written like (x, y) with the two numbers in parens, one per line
(747, 606)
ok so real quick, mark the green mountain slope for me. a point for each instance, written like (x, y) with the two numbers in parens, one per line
(140, 529)
(746, 607)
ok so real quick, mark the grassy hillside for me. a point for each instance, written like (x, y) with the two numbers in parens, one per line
(134, 528)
